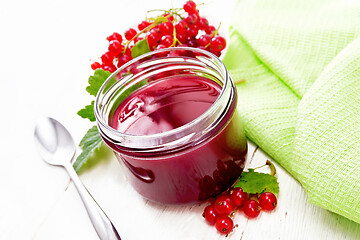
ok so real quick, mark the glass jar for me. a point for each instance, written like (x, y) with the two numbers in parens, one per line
(192, 160)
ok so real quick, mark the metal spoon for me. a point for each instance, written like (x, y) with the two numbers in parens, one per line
(57, 147)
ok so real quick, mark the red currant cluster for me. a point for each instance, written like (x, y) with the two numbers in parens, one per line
(175, 27)
(221, 211)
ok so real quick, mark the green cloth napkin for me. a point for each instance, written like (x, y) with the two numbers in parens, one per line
(300, 101)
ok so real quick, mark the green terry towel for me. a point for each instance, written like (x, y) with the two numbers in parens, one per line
(300, 101)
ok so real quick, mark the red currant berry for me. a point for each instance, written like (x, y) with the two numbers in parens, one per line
(216, 53)
(167, 40)
(124, 59)
(129, 34)
(181, 37)
(192, 43)
(238, 196)
(224, 224)
(192, 32)
(143, 25)
(204, 40)
(111, 68)
(181, 27)
(203, 23)
(107, 58)
(210, 29)
(267, 201)
(156, 31)
(95, 65)
(114, 36)
(218, 43)
(223, 205)
(160, 54)
(192, 19)
(115, 47)
(128, 51)
(251, 208)
(166, 28)
(190, 7)
(154, 38)
(210, 214)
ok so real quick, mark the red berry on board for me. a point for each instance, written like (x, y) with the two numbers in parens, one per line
(218, 43)
(143, 25)
(115, 47)
(224, 224)
(190, 7)
(238, 196)
(267, 201)
(129, 34)
(223, 205)
(95, 65)
(210, 214)
(251, 208)
(114, 36)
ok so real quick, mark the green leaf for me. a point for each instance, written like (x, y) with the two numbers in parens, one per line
(140, 48)
(96, 81)
(88, 112)
(254, 182)
(89, 143)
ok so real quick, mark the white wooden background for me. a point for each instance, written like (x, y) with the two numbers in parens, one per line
(45, 52)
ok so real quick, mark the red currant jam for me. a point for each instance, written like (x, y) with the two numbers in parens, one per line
(197, 172)
(171, 119)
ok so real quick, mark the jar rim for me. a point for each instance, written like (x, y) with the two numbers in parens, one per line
(175, 137)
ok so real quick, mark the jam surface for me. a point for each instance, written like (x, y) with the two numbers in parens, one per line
(165, 105)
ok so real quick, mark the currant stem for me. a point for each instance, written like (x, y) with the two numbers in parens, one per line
(217, 30)
(272, 167)
(270, 164)
(260, 166)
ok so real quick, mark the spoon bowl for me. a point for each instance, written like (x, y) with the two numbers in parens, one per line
(54, 142)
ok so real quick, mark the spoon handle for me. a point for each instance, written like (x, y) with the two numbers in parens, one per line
(102, 224)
